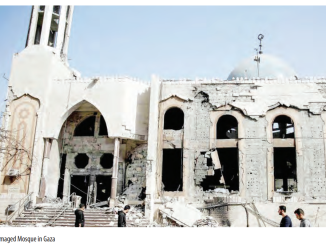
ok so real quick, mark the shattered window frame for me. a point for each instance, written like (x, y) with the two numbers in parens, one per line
(228, 122)
(285, 179)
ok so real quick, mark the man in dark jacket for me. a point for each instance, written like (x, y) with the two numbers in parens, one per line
(80, 221)
(122, 216)
(286, 220)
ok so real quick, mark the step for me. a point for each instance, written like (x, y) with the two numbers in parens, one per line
(87, 224)
(21, 221)
(94, 218)
(17, 220)
(69, 212)
(73, 217)
(69, 215)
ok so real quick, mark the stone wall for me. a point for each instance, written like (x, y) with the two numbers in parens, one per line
(136, 173)
(255, 104)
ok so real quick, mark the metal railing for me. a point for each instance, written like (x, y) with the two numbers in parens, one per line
(52, 221)
(60, 210)
(22, 203)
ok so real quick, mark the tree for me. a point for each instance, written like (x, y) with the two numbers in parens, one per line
(13, 154)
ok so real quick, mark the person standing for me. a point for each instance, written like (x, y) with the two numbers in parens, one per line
(80, 220)
(299, 213)
(286, 220)
(122, 216)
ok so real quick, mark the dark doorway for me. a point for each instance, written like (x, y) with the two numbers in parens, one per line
(229, 159)
(172, 169)
(79, 185)
(103, 128)
(81, 160)
(283, 127)
(62, 175)
(227, 128)
(107, 160)
(285, 169)
(86, 127)
(103, 187)
(173, 119)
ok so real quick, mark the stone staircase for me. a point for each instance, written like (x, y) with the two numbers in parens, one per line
(93, 218)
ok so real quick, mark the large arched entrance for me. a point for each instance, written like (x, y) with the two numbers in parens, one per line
(86, 156)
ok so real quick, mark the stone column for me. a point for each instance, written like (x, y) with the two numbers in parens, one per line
(46, 25)
(152, 148)
(114, 182)
(92, 190)
(46, 159)
(66, 186)
(67, 32)
(61, 28)
(33, 25)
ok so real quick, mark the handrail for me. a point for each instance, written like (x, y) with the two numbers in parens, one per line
(53, 219)
(22, 203)
(62, 208)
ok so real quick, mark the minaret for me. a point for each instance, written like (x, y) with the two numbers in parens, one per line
(50, 26)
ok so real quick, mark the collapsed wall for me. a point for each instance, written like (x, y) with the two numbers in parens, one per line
(135, 178)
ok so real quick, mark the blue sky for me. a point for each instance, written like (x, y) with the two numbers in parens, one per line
(177, 41)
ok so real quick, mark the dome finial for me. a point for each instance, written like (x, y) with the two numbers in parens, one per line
(257, 58)
(260, 37)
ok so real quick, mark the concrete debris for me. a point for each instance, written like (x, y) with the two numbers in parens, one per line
(210, 172)
(40, 224)
(206, 222)
(47, 204)
(222, 180)
(181, 213)
(98, 204)
(139, 215)
(222, 190)
(52, 200)
(208, 154)
(139, 156)
(216, 160)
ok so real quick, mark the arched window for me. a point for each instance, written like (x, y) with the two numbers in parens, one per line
(227, 128)
(103, 128)
(86, 127)
(285, 166)
(283, 128)
(225, 156)
(174, 119)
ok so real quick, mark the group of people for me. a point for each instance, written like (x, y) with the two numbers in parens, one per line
(286, 220)
(80, 219)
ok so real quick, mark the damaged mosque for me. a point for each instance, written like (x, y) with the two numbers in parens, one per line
(232, 150)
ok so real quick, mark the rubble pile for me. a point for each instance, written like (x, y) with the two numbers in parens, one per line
(136, 213)
(136, 175)
(181, 213)
(206, 222)
(52, 200)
